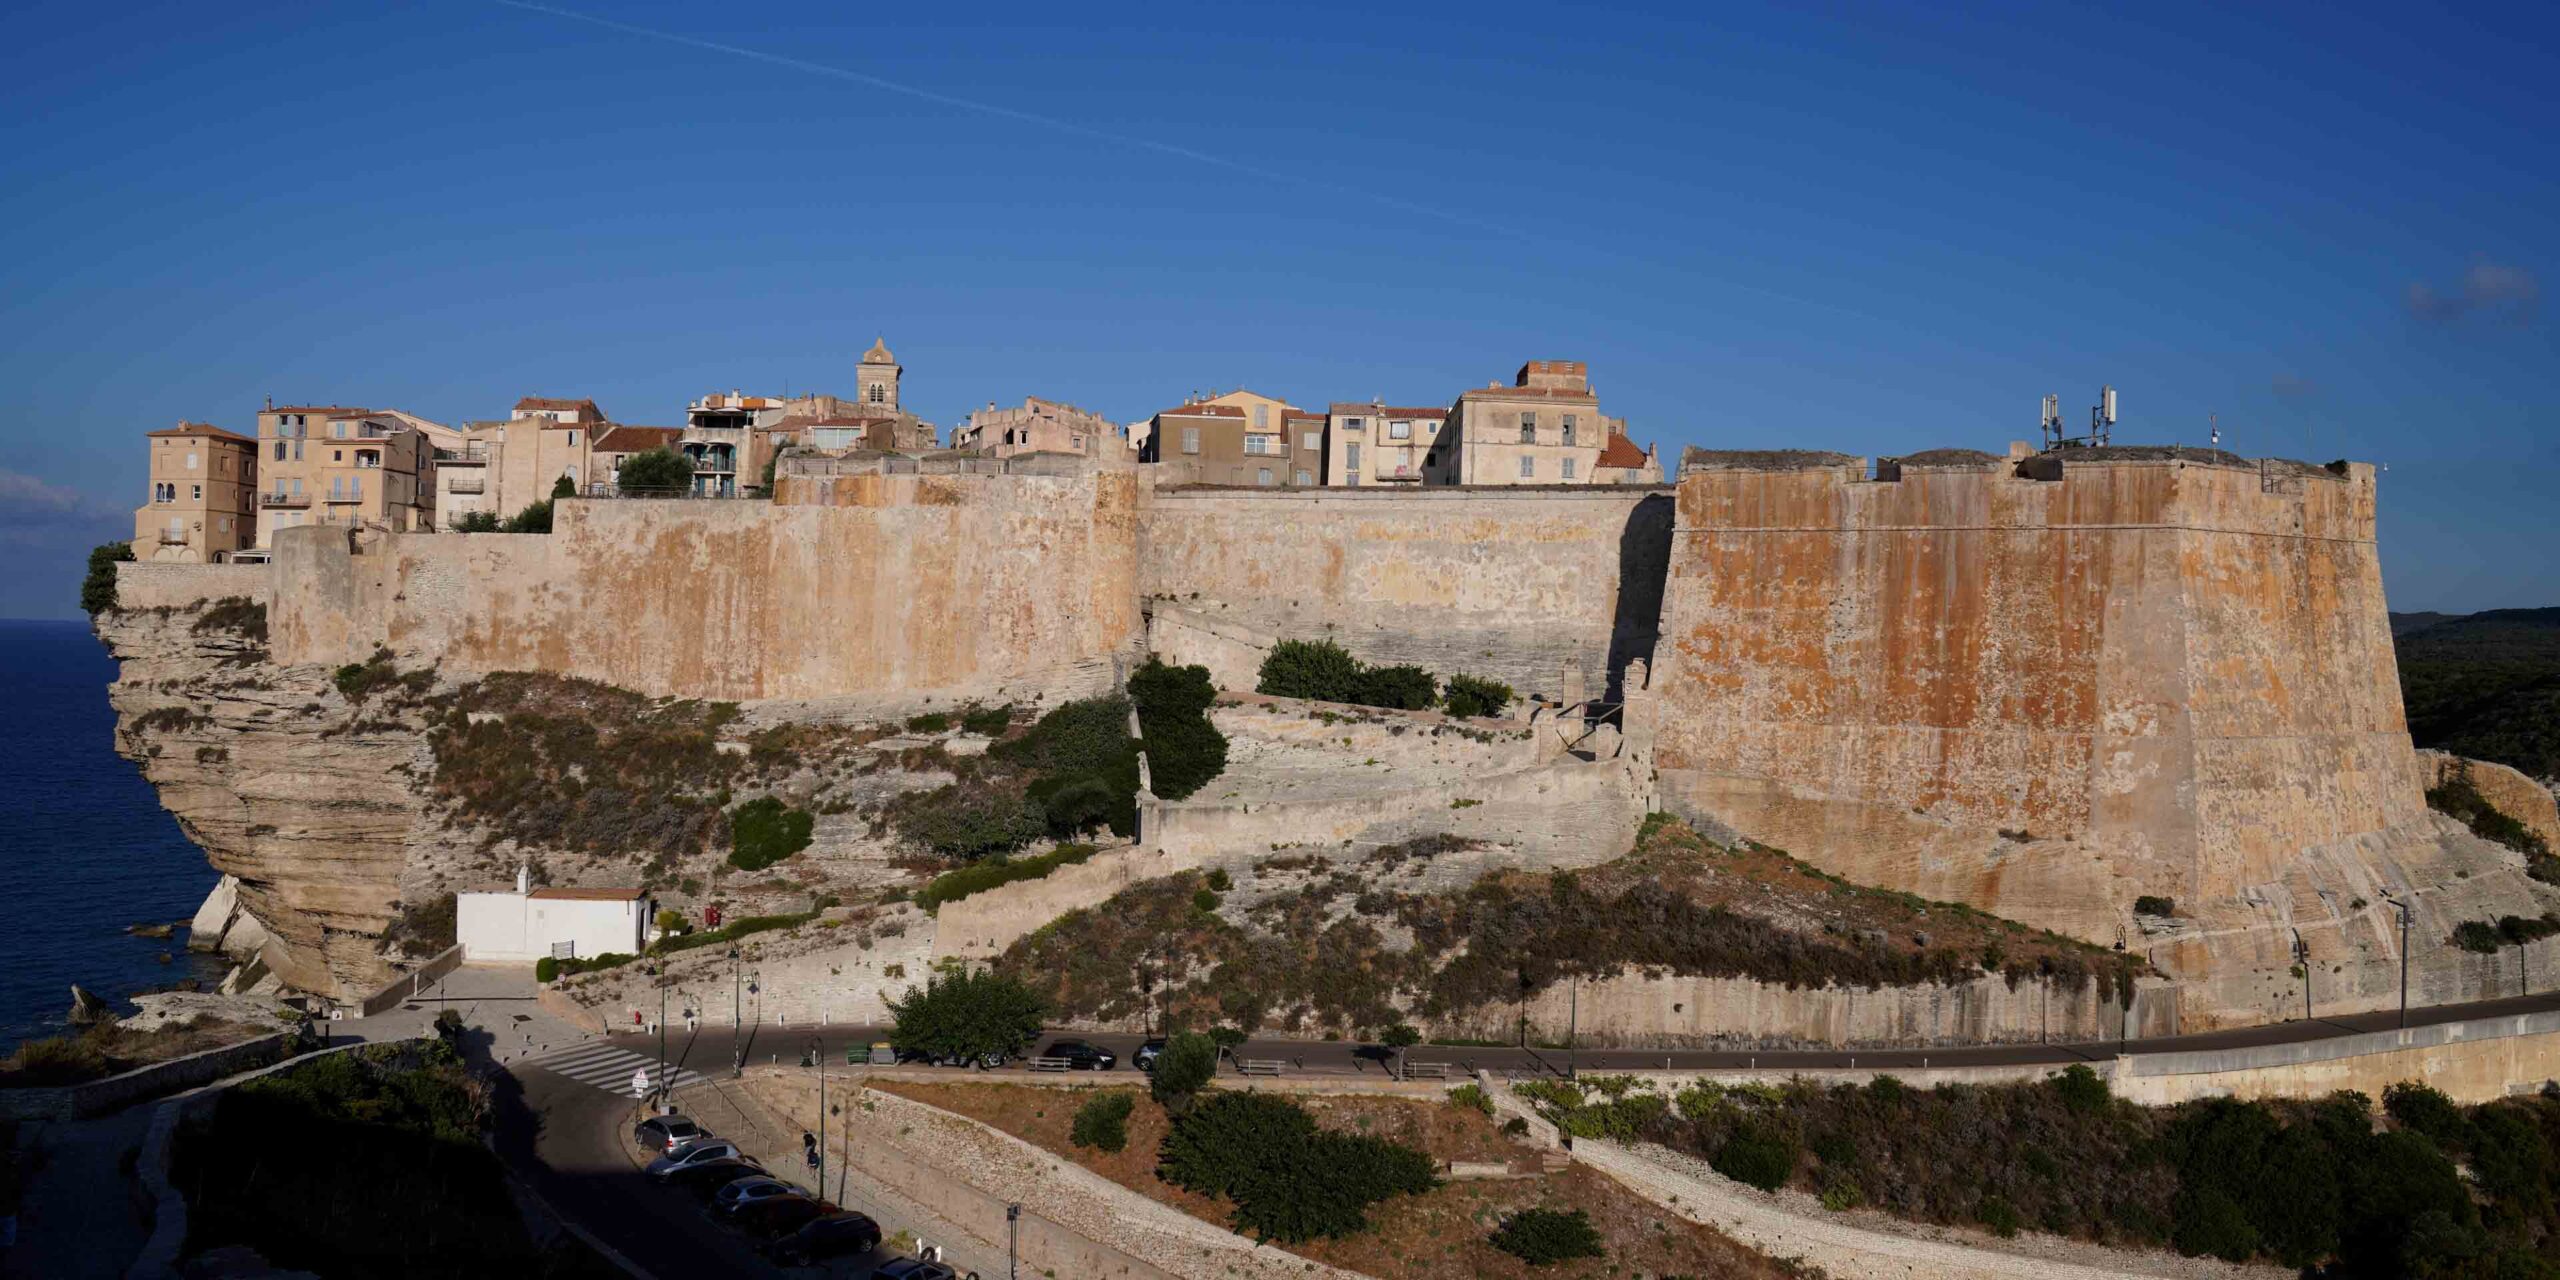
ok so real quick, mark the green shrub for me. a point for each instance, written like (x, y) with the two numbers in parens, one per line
(1288, 1180)
(764, 831)
(987, 722)
(1218, 880)
(2459, 798)
(583, 964)
(1755, 1158)
(98, 590)
(1472, 1097)
(1184, 750)
(1997, 1214)
(564, 487)
(535, 518)
(2479, 936)
(967, 1015)
(476, 522)
(1103, 1123)
(2081, 1088)
(239, 615)
(973, 820)
(2210, 1222)
(659, 470)
(929, 722)
(1403, 688)
(1317, 670)
(2151, 905)
(1183, 1069)
(1204, 900)
(54, 1060)
(952, 886)
(1543, 1236)
(2427, 1110)
(546, 970)
(739, 928)
(1474, 696)
(1087, 765)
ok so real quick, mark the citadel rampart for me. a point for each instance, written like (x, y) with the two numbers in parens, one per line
(900, 588)
(2042, 690)
(1515, 584)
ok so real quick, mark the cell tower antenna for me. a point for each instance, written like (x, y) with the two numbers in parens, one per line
(2214, 428)
(2052, 423)
(2102, 416)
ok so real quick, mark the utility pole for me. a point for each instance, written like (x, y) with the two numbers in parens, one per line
(658, 974)
(737, 1018)
(2403, 907)
(2302, 959)
(818, 1052)
(1573, 1031)
(1012, 1239)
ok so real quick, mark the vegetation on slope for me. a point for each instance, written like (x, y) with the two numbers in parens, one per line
(1346, 951)
(98, 589)
(2485, 685)
(2438, 1190)
(1322, 671)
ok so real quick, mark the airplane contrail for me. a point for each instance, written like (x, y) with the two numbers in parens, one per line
(1001, 112)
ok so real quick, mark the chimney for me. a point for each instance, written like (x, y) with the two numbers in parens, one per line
(524, 879)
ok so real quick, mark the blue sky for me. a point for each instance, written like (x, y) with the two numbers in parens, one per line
(1870, 229)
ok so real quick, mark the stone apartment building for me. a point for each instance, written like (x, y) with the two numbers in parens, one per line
(731, 439)
(203, 505)
(1378, 444)
(1545, 428)
(1239, 438)
(330, 464)
(1039, 426)
(616, 443)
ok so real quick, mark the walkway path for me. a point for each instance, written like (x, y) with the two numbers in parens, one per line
(76, 1220)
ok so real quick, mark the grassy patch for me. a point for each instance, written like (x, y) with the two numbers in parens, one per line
(952, 886)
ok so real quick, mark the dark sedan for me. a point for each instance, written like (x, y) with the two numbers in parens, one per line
(837, 1235)
(1080, 1056)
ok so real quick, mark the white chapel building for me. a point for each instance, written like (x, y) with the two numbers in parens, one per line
(531, 923)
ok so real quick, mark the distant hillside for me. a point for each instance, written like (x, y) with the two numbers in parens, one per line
(2484, 685)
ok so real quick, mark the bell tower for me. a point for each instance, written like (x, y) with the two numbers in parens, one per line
(878, 387)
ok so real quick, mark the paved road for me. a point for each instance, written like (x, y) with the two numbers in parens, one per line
(711, 1051)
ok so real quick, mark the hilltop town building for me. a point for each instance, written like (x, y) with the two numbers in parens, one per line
(1545, 428)
(203, 503)
(1239, 438)
(1378, 443)
(1039, 426)
(329, 464)
(617, 444)
(532, 923)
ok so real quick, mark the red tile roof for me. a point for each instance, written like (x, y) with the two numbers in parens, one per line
(204, 429)
(546, 402)
(1203, 411)
(635, 439)
(1621, 452)
(586, 895)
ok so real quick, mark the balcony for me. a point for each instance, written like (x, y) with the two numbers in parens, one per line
(466, 484)
(283, 500)
(467, 456)
(170, 539)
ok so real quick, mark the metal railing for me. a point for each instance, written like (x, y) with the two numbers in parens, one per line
(609, 489)
(284, 500)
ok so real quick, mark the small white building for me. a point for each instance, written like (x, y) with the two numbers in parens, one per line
(530, 923)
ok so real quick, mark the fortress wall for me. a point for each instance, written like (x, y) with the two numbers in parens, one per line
(903, 588)
(2042, 697)
(142, 584)
(1508, 583)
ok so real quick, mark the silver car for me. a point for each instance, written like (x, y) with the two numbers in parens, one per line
(698, 1151)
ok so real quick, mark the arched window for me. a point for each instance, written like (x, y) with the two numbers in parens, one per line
(879, 393)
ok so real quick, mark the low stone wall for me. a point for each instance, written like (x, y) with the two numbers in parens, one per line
(1699, 1013)
(2477, 1060)
(1074, 1221)
(149, 585)
(97, 1097)
(410, 983)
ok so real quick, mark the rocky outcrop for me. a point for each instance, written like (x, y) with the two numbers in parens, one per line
(2507, 790)
(295, 795)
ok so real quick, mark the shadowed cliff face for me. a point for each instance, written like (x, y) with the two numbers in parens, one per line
(283, 782)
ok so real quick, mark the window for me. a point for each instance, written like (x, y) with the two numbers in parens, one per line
(1568, 468)
(1568, 428)
(1261, 416)
(191, 460)
(337, 455)
(1311, 440)
(1400, 430)
(1261, 445)
(226, 524)
(338, 429)
(1528, 468)
(1262, 475)
(1300, 478)
(279, 450)
(1529, 428)
(297, 448)
(1352, 424)
(573, 439)
(196, 493)
(1191, 439)
(164, 493)
(1351, 460)
(878, 393)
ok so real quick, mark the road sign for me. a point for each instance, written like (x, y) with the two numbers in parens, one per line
(639, 1082)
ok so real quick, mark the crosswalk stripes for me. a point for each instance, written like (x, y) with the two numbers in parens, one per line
(604, 1067)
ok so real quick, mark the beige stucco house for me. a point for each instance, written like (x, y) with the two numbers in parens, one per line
(1239, 438)
(1545, 428)
(203, 504)
(1378, 444)
(329, 464)
(1039, 426)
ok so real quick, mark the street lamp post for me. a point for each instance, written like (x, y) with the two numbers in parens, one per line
(2302, 958)
(737, 1017)
(818, 1054)
(658, 975)
(1573, 1031)
(1012, 1237)
(2402, 906)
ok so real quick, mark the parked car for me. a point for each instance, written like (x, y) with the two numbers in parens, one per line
(706, 1178)
(780, 1215)
(914, 1269)
(698, 1151)
(665, 1133)
(746, 1191)
(1145, 1058)
(1081, 1056)
(984, 1061)
(837, 1235)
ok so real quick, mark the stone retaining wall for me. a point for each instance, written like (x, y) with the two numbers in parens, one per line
(97, 1097)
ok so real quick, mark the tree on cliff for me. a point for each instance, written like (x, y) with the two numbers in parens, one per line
(98, 590)
(564, 487)
(658, 471)
(967, 1015)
